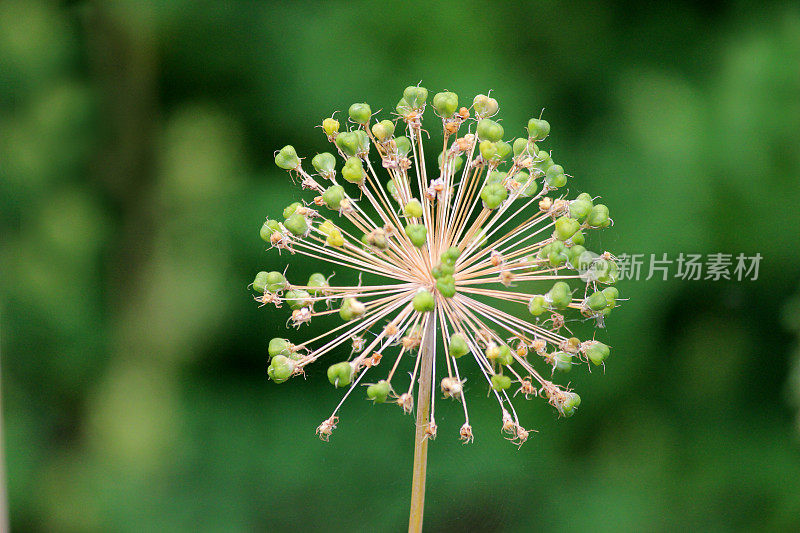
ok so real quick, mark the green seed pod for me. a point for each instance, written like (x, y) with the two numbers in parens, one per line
(542, 162)
(383, 130)
(598, 217)
(503, 150)
(423, 301)
(286, 158)
(596, 301)
(327, 227)
(606, 271)
(493, 194)
(403, 145)
(556, 259)
(348, 142)
(560, 295)
(446, 285)
(578, 238)
(335, 238)
(562, 361)
(538, 129)
(379, 391)
(446, 104)
(275, 281)
(333, 196)
(360, 113)
(330, 126)
(290, 209)
(579, 208)
(363, 141)
(451, 255)
(489, 130)
(496, 176)
(597, 352)
(392, 190)
(504, 356)
(402, 107)
(537, 305)
(573, 253)
(340, 374)
(455, 162)
(296, 223)
(611, 294)
(298, 298)
(565, 228)
(415, 97)
(280, 368)
(278, 346)
(417, 234)
(352, 309)
(500, 382)
(555, 177)
(488, 150)
(442, 269)
(520, 146)
(324, 163)
(528, 185)
(260, 282)
(484, 106)
(479, 237)
(570, 404)
(317, 284)
(458, 346)
(353, 170)
(269, 227)
(413, 209)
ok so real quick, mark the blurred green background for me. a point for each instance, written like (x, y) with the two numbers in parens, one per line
(136, 142)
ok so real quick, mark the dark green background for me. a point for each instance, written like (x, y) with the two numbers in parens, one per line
(136, 142)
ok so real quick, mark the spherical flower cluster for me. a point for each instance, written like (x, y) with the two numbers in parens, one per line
(445, 247)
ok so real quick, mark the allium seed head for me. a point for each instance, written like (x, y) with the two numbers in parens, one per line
(445, 252)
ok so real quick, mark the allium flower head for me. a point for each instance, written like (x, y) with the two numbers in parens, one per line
(491, 222)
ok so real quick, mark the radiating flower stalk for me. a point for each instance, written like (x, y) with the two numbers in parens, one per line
(446, 247)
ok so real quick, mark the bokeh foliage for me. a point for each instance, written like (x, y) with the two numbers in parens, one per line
(136, 140)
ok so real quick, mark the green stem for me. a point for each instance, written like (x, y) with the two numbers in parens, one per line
(427, 351)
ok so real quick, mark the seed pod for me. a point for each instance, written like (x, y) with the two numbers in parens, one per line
(352, 309)
(527, 183)
(360, 113)
(290, 209)
(417, 234)
(296, 224)
(500, 382)
(317, 283)
(597, 352)
(280, 368)
(445, 103)
(413, 209)
(278, 346)
(484, 106)
(598, 217)
(488, 150)
(596, 301)
(260, 282)
(348, 143)
(560, 295)
(562, 361)
(493, 194)
(538, 129)
(457, 346)
(504, 356)
(455, 163)
(269, 227)
(565, 228)
(379, 391)
(570, 404)
(298, 298)
(442, 269)
(450, 255)
(353, 170)
(555, 177)
(537, 305)
(340, 374)
(324, 163)
(446, 285)
(489, 130)
(415, 97)
(334, 238)
(423, 301)
(275, 281)
(330, 126)
(503, 150)
(580, 207)
(333, 196)
(578, 238)
(286, 158)
(403, 145)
